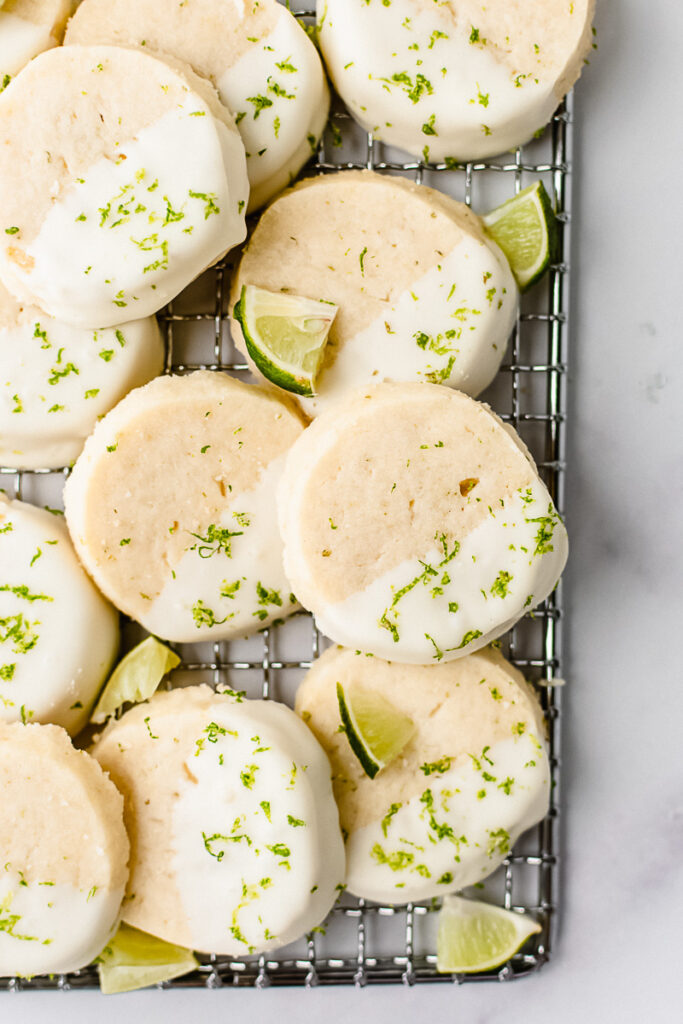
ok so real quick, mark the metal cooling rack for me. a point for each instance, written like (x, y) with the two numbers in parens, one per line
(364, 943)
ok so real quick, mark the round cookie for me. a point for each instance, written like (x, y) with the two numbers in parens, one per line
(63, 850)
(56, 381)
(264, 66)
(474, 776)
(423, 294)
(27, 27)
(121, 179)
(415, 524)
(186, 539)
(58, 636)
(234, 798)
(456, 80)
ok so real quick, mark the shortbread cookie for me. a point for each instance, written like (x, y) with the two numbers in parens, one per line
(415, 524)
(121, 179)
(423, 294)
(185, 540)
(58, 636)
(455, 80)
(63, 853)
(27, 27)
(233, 798)
(474, 776)
(264, 66)
(56, 381)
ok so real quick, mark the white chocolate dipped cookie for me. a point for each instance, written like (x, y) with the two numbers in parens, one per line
(27, 27)
(121, 179)
(423, 294)
(58, 636)
(56, 380)
(415, 524)
(233, 797)
(185, 539)
(63, 853)
(265, 68)
(473, 777)
(456, 79)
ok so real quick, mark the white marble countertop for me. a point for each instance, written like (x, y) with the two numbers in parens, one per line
(619, 949)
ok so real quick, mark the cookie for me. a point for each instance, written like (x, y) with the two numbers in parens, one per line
(186, 539)
(457, 80)
(233, 797)
(64, 853)
(472, 778)
(58, 636)
(415, 524)
(57, 381)
(423, 294)
(122, 178)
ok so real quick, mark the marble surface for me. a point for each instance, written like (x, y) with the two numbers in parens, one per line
(619, 950)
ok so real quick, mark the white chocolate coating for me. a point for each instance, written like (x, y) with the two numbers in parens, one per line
(457, 831)
(265, 68)
(64, 853)
(388, 551)
(187, 543)
(130, 230)
(235, 797)
(56, 381)
(456, 79)
(58, 636)
(473, 776)
(423, 294)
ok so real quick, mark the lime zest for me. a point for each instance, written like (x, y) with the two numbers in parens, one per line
(134, 959)
(135, 678)
(377, 732)
(474, 936)
(525, 228)
(285, 336)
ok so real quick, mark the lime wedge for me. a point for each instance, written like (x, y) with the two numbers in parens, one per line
(135, 678)
(134, 959)
(285, 335)
(476, 936)
(525, 228)
(376, 731)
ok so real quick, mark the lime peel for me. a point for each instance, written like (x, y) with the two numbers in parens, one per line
(285, 336)
(475, 936)
(375, 729)
(134, 959)
(525, 228)
(135, 678)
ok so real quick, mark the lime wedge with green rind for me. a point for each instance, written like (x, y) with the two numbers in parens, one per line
(475, 936)
(134, 959)
(285, 336)
(525, 228)
(135, 678)
(376, 730)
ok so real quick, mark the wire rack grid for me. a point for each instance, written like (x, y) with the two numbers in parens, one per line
(364, 943)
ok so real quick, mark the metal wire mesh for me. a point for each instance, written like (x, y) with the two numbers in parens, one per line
(364, 943)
